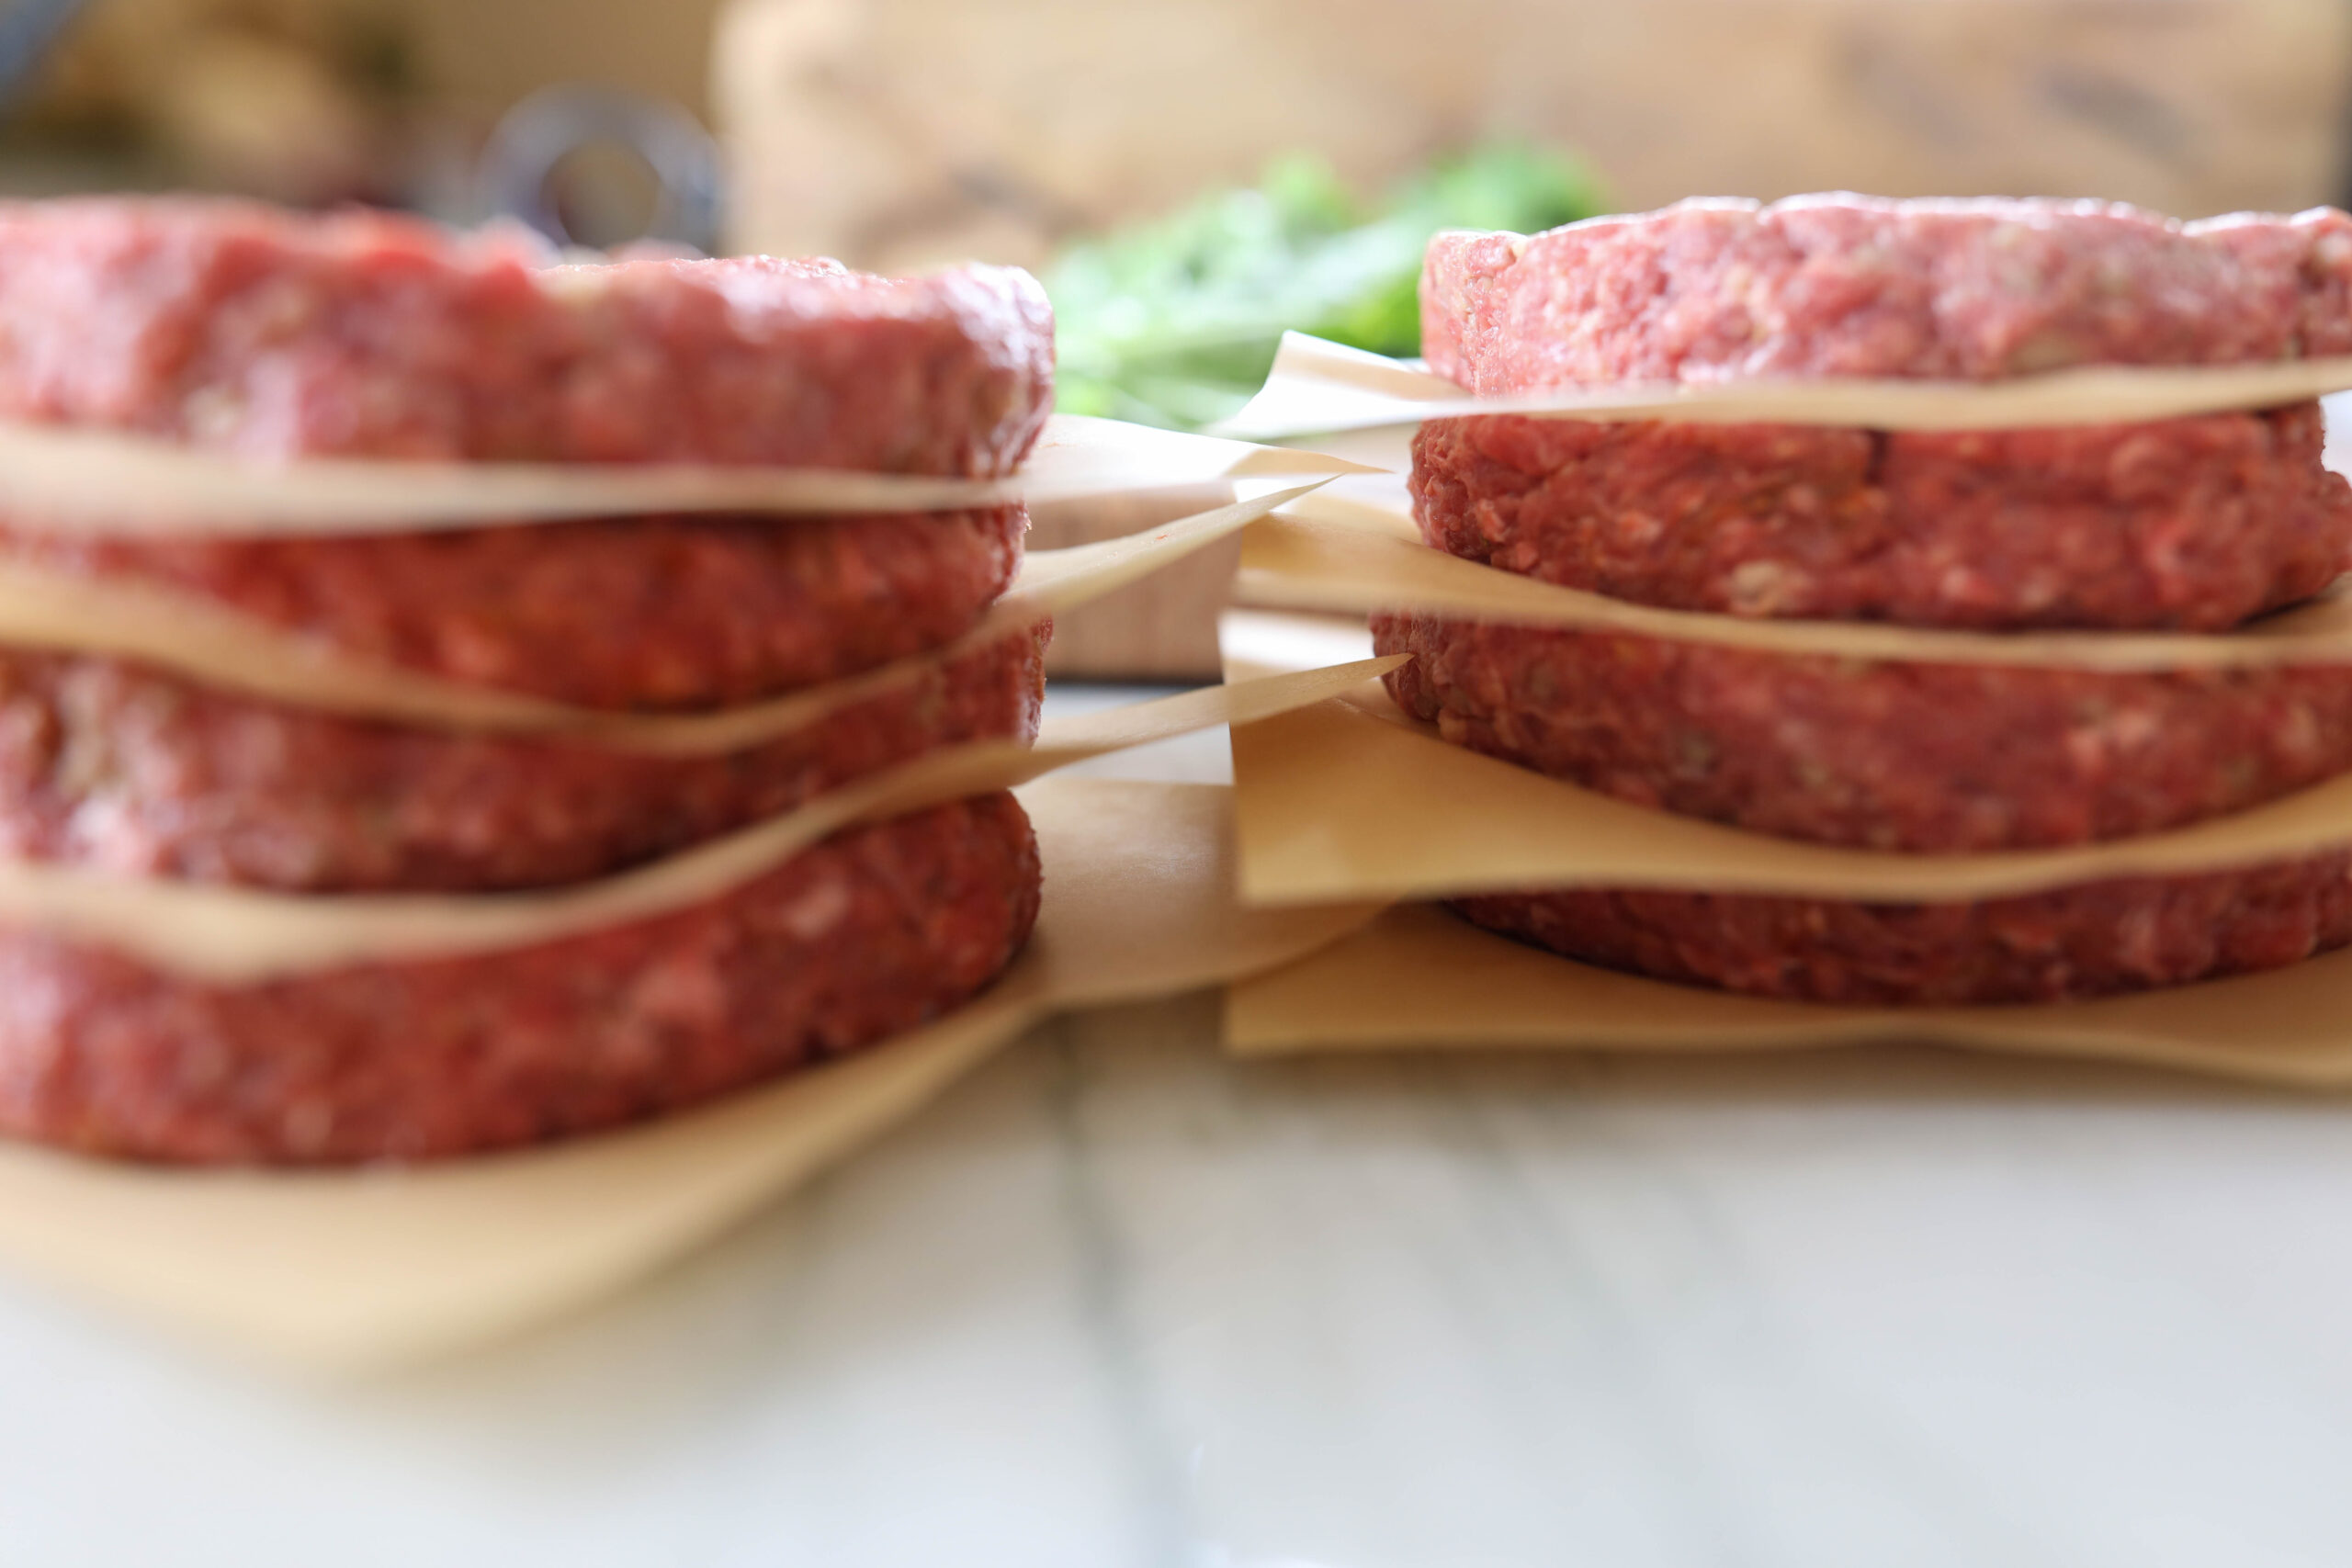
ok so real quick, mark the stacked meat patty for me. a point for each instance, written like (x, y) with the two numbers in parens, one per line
(2193, 525)
(275, 338)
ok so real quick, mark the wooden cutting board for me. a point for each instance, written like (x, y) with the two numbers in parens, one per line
(892, 132)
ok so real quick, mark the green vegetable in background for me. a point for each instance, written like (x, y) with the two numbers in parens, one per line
(1175, 321)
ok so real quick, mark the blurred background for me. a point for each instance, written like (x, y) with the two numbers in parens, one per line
(1190, 176)
(900, 132)
(1250, 161)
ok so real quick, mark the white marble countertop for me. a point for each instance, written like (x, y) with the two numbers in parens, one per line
(1116, 1301)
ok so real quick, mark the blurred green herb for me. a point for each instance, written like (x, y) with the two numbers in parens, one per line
(1174, 322)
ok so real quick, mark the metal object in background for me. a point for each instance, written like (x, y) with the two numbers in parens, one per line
(519, 164)
(26, 29)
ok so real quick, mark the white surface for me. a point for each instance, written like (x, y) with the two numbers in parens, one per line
(1116, 1302)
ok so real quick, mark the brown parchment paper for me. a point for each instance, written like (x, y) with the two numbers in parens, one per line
(61, 478)
(1345, 557)
(1337, 802)
(359, 1270)
(1352, 798)
(1318, 386)
(224, 648)
(1417, 978)
(229, 935)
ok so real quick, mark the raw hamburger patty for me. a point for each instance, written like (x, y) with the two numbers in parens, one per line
(116, 766)
(633, 613)
(2080, 942)
(1841, 285)
(2197, 523)
(242, 328)
(869, 933)
(1894, 756)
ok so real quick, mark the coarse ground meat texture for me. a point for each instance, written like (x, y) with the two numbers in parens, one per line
(870, 933)
(1923, 758)
(2076, 942)
(2191, 524)
(626, 613)
(1842, 285)
(118, 767)
(272, 334)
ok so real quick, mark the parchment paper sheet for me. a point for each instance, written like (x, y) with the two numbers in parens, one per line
(222, 647)
(1418, 978)
(1351, 553)
(1318, 386)
(61, 478)
(354, 1272)
(1350, 798)
(239, 935)
(1336, 803)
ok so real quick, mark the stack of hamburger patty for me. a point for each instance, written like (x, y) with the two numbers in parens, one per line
(273, 338)
(2190, 525)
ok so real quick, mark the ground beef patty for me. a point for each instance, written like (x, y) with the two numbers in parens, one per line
(2196, 523)
(2076, 942)
(275, 335)
(238, 327)
(871, 932)
(1843, 285)
(1896, 756)
(630, 613)
(2191, 522)
(116, 766)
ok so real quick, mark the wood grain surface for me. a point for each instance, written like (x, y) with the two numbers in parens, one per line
(897, 132)
(1164, 628)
